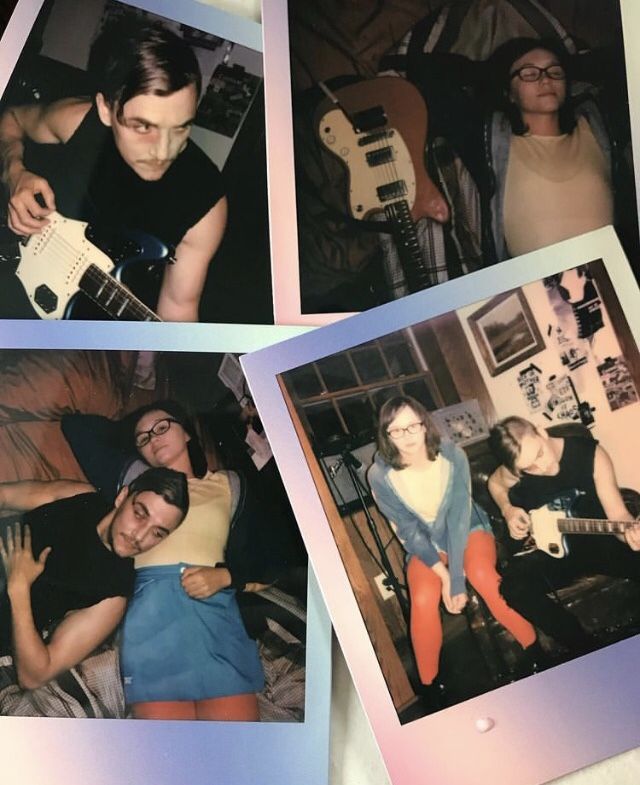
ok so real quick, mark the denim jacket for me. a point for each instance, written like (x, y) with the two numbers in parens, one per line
(457, 516)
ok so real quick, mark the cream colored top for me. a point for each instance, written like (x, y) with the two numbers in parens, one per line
(423, 488)
(557, 187)
(202, 537)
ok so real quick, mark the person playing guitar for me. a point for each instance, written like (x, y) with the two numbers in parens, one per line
(123, 159)
(536, 469)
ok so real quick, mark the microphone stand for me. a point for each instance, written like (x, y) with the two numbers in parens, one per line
(352, 464)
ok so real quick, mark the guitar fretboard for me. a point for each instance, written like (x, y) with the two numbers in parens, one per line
(417, 273)
(114, 298)
(592, 526)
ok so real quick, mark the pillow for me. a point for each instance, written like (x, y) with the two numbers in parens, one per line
(99, 446)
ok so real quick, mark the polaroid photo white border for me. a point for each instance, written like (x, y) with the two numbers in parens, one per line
(47, 751)
(540, 727)
(279, 113)
(217, 139)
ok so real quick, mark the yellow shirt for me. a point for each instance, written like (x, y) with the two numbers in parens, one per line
(202, 537)
(557, 187)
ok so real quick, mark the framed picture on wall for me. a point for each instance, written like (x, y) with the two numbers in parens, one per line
(506, 331)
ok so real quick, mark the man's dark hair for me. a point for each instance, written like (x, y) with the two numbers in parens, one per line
(387, 414)
(133, 57)
(505, 440)
(173, 409)
(501, 62)
(169, 484)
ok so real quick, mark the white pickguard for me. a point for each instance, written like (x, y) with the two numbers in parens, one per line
(56, 258)
(545, 531)
(338, 136)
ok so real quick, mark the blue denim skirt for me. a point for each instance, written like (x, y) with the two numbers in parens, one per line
(178, 648)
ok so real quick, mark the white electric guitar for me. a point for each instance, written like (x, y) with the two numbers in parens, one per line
(550, 524)
(60, 262)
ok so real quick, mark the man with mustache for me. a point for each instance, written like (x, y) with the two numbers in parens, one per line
(70, 571)
(123, 159)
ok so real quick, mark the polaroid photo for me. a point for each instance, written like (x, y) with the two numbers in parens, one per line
(134, 164)
(84, 687)
(417, 152)
(449, 462)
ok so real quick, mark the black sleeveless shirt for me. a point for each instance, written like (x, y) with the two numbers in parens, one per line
(93, 183)
(575, 474)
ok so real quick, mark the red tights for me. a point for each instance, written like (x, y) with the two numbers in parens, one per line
(425, 591)
(239, 708)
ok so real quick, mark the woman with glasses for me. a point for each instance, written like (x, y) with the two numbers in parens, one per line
(549, 152)
(422, 485)
(185, 653)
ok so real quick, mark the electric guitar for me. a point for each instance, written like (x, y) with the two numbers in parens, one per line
(378, 129)
(61, 263)
(550, 524)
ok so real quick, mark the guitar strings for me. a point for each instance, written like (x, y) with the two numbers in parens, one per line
(64, 250)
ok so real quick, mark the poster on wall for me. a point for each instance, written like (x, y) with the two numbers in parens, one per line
(494, 692)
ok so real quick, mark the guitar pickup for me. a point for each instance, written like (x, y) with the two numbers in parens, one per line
(394, 190)
(368, 119)
(378, 157)
(380, 136)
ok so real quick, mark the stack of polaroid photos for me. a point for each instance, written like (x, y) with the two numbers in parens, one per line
(319, 314)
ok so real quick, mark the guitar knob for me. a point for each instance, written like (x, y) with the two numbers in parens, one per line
(330, 139)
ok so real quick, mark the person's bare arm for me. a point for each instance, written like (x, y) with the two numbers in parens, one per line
(79, 633)
(184, 280)
(610, 497)
(517, 519)
(25, 495)
(48, 124)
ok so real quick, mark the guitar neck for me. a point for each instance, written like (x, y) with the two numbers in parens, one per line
(417, 273)
(113, 297)
(592, 526)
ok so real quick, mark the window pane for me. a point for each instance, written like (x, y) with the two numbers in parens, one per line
(380, 396)
(358, 415)
(369, 364)
(305, 381)
(324, 423)
(418, 389)
(337, 373)
(400, 359)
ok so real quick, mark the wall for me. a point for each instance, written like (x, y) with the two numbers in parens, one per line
(612, 429)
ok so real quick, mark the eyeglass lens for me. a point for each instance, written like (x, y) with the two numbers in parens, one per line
(144, 437)
(397, 433)
(532, 73)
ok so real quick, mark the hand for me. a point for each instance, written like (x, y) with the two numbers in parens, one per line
(632, 537)
(203, 582)
(518, 521)
(17, 557)
(26, 214)
(458, 601)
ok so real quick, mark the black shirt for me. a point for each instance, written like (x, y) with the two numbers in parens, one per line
(80, 571)
(575, 474)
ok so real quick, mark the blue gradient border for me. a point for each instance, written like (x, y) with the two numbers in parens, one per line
(128, 752)
(545, 726)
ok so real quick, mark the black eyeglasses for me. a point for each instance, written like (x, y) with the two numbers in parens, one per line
(398, 433)
(531, 73)
(162, 426)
